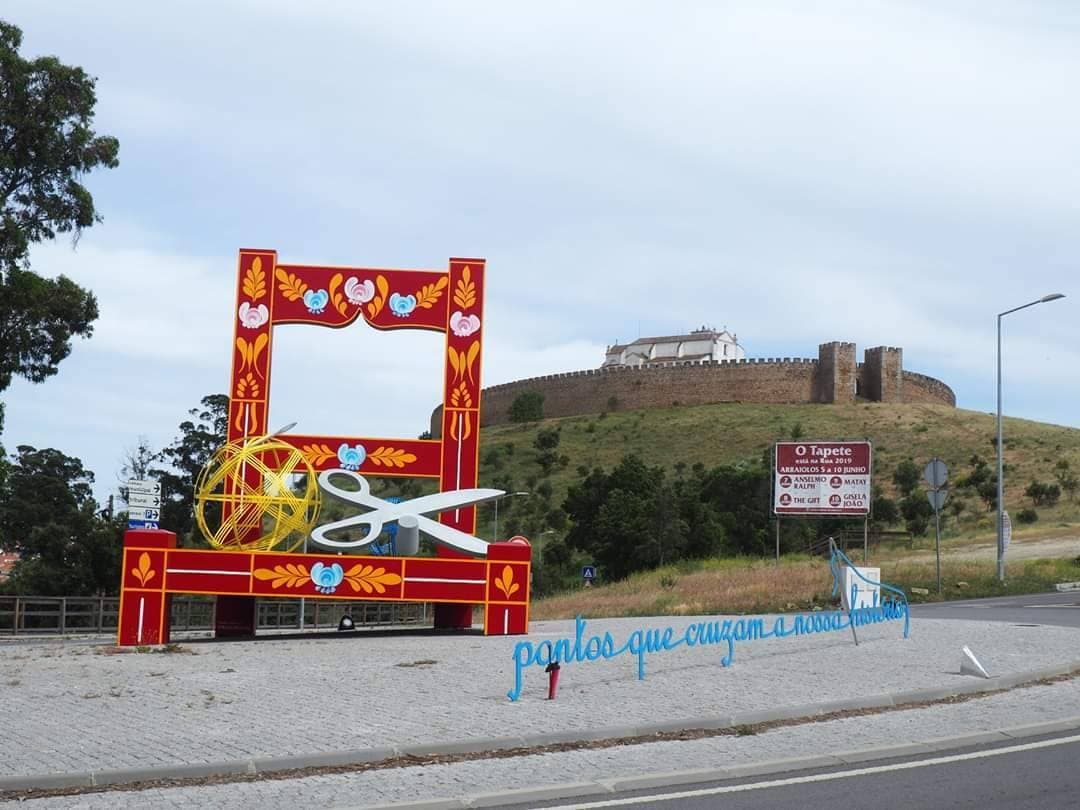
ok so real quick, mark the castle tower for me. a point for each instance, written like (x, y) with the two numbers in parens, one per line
(836, 373)
(882, 374)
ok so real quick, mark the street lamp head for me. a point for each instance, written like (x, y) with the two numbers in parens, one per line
(1051, 297)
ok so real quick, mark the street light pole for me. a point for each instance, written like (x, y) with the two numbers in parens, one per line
(1000, 447)
(495, 527)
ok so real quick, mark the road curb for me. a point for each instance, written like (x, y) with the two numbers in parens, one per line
(598, 791)
(263, 765)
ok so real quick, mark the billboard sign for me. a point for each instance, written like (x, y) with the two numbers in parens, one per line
(822, 478)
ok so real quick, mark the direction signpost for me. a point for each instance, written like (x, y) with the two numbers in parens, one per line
(144, 504)
(936, 474)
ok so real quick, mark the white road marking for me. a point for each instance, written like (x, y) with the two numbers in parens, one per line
(822, 777)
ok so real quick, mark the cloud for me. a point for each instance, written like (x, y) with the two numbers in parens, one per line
(883, 173)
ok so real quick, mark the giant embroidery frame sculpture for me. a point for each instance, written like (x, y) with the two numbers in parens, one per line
(270, 294)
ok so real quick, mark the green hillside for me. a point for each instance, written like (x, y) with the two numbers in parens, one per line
(737, 433)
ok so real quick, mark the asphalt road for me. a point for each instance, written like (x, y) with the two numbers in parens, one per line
(1062, 609)
(1034, 774)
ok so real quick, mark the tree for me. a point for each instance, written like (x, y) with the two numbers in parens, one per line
(1066, 479)
(48, 515)
(916, 509)
(46, 146)
(137, 464)
(527, 407)
(546, 442)
(1043, 494)
(906, 476)
(200, 436)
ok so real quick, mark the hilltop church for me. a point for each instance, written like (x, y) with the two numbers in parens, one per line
(701, 345)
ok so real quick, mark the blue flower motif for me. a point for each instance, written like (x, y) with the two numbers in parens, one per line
(402, 305)
(351, 457)
(327, 578)
(316, 301)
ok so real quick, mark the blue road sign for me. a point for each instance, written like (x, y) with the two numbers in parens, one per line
(588, 572)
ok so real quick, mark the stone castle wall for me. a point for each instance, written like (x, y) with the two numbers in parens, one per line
(834, 376)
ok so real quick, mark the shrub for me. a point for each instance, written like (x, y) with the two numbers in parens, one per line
(527, 407)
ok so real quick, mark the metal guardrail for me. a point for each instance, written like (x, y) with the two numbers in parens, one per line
(98, 615)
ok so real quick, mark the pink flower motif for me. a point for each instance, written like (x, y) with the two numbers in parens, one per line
(464, 325)
(359, 292)
(253, 317)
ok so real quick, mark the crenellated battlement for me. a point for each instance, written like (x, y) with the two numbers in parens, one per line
(833, 376)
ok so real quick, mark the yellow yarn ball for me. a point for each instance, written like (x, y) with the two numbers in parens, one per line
(244, 499)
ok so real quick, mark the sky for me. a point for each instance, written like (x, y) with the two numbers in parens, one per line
(884, 173)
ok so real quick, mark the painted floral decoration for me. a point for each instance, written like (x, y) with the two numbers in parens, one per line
(316, 301)
(402, 305)
(359, 292)
(327, 578)
(464, 325)
(351, 457)
(252, 317)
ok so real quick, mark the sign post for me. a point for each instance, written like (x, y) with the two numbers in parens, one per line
(827, 479)
(936, 474)
(144, 504)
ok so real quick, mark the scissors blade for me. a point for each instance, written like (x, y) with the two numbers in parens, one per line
(445, 501)
(368, 519)
(449, 536)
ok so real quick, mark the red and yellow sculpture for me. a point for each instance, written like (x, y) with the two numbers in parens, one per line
(270, 294)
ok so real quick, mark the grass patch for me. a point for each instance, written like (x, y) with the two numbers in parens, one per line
(799, 583)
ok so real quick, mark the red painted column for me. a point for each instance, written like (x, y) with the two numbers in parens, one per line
(506, 610)
(461, 410)
(144, 605)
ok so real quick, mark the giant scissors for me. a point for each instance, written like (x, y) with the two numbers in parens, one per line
(383, 512)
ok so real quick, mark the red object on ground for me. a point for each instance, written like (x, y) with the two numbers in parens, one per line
(154, 569)
(553, 679)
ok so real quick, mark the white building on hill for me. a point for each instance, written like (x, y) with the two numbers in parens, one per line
(700, 345)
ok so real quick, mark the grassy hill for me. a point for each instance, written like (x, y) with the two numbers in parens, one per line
(734, 433)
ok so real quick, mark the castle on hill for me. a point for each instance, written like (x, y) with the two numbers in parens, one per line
(708, 366)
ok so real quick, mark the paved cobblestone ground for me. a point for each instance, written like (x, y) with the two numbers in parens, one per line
(1017, 707)
(70, 708)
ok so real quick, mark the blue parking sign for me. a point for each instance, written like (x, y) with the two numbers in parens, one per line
(588, 572)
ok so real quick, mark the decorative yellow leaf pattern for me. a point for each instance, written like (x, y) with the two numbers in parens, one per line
(465, 293)
(430, 293)
(460, 397)
(377, 303)
(506, 583)
(291, 286)
(144, 573)
(255, 280)
(336, 297)
(458, 365)
(370, 579)
(474, 352)
(466, 425)
(291, 575)
(317, 453)
(247, 387)
(250, 352)
(252, 411)
(391, 457)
